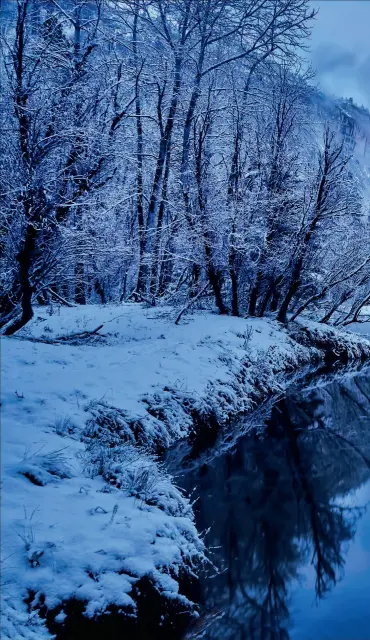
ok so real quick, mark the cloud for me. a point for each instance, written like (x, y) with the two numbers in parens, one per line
(364, 72)
(332, 57)
(343, 72)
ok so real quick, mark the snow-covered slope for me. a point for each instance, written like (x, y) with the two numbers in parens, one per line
(85, 512)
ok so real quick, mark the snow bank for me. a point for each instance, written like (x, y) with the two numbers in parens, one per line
(86, 511)
(145, 366)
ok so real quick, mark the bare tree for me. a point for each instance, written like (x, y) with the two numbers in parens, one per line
(326, 201)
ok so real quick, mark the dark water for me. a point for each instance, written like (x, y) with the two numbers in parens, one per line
(289, 531)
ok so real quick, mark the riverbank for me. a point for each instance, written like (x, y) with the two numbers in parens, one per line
(285, 515)
(90, 395)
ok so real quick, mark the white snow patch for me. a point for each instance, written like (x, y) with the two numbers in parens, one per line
(67, 530)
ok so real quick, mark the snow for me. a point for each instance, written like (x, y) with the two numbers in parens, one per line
(85, 512)
(116, 372)
(363, 327)
(144, 352)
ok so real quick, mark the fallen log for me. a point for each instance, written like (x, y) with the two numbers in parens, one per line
(192, 301)
(82, 335)
(59, 298)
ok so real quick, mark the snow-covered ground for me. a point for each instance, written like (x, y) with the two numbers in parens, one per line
(363, 328)
(142, 354)
(85, 512)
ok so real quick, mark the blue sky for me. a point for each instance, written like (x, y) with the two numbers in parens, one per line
(340, 48)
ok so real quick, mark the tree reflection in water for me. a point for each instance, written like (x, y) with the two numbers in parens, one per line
(277, 504)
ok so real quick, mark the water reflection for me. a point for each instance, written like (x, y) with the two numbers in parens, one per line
(278, 504)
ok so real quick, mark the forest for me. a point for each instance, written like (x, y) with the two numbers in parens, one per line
(177, 152)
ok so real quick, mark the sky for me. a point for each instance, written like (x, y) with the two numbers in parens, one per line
(340, 48)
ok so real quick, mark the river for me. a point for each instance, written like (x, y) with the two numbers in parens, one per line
(284, 511)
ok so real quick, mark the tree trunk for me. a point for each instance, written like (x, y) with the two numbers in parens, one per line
(24, 258)
(266, 299)
(252, 308)
(292, 290)
(234, 292)
(216, 282)
(139, 161)
(214, 278)
(233, 271)
(100, 291)
(80, 294)
(161, 210)
(164, 147)
(298, 264)
(275, 299)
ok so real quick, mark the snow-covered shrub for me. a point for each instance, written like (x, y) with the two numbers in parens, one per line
(41, 553)
(108, 425)
(47, 329)
(113, 426)
(16, 622)
(64, 426)
(97, 458)
(152, 485)
(246, 336)
(42, 469)
(137, 474)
